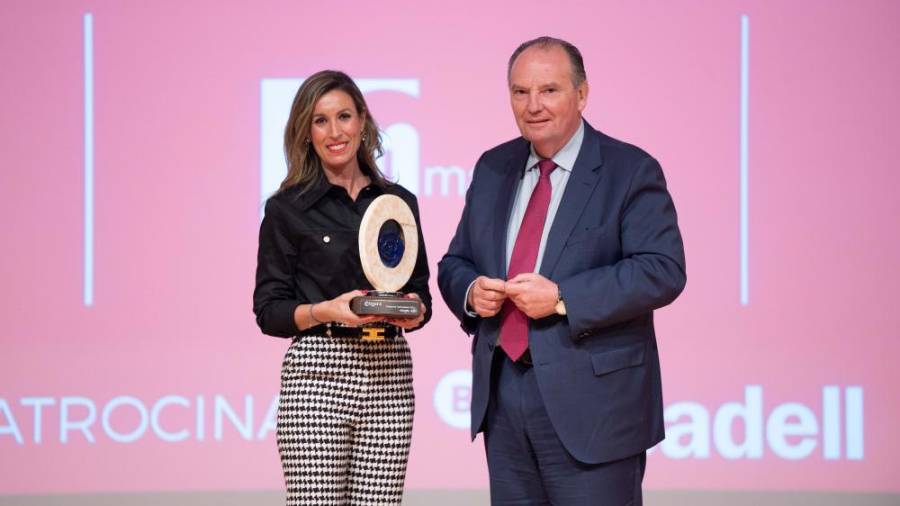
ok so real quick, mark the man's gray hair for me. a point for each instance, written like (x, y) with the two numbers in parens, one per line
(578, 74)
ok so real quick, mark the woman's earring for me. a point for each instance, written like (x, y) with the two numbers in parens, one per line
(364, 137)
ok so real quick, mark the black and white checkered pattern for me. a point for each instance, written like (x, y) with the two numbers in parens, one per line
(345, 418)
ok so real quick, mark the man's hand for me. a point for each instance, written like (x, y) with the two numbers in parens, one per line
(486, 296)
(533, 294)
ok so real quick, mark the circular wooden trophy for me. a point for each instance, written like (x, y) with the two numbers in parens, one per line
(388, 249)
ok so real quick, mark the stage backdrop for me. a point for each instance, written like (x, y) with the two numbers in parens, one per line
(139, 141)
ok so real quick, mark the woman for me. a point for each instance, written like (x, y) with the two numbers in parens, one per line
(346, 406)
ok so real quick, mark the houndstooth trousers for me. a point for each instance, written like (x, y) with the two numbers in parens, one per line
(345, 416)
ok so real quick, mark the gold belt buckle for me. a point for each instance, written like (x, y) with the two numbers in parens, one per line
(373, 334)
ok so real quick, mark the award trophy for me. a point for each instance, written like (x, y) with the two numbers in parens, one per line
(388, 249)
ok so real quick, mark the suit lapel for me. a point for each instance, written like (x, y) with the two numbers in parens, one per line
(582, 181)
(513, 171)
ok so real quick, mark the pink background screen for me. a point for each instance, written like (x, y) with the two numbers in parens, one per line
(130, 359)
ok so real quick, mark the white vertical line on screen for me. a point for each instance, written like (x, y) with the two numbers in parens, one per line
(744, 211)
(88, 159)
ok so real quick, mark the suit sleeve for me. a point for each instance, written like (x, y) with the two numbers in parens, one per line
(456, 270)
(651, 272)
(274, 298)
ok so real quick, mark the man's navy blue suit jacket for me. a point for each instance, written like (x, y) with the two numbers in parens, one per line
(616, 252)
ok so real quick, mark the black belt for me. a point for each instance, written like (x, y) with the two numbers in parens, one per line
(366, 333)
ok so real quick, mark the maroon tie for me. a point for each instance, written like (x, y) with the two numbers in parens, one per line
(514, 329)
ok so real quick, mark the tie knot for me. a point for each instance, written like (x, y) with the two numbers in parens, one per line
(546, 165)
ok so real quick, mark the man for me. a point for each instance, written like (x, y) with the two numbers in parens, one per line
(567, 243)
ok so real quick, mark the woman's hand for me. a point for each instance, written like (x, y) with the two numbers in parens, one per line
(410, 323)
(338, 310)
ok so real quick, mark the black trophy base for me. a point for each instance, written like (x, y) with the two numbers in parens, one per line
(389, 304)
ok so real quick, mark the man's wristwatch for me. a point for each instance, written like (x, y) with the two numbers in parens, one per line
(560, 303)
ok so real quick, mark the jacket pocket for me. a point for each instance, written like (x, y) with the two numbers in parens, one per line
(618, 358)
(591, 234)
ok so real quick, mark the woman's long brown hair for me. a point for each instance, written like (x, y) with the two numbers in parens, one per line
(304, 166)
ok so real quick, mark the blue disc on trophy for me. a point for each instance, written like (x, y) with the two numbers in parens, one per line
(390, 243)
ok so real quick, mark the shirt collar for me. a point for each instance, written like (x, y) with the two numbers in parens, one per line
(565, 157)
(323, 187)
(309, 197)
